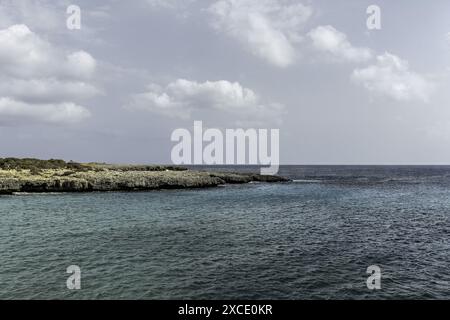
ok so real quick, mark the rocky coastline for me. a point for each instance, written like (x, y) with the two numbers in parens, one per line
(76, 177)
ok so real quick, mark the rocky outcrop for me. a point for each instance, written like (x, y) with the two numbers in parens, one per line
(118, 180)
(246, 177)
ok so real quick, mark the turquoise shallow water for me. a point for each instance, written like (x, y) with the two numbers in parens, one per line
(312, 238)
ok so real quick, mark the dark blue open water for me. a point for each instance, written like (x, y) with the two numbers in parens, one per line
(311, 238)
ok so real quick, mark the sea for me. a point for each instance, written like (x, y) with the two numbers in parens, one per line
(318, 236)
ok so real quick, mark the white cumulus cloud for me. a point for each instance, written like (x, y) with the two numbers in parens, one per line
(14, 112)
(182, 98)
(331, 41)
(270, 29)
(391, 77)
(38, 78)
(46, 89)
(24, 54)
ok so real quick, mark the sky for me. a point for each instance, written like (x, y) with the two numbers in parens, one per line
(115, 89)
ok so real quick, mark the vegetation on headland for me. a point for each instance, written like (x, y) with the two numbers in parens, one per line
(36, 164)
(30, 163)
(34, 175)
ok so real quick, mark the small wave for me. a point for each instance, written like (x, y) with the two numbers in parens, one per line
(306, 181)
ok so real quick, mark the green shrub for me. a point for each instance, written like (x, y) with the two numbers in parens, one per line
(30, 163)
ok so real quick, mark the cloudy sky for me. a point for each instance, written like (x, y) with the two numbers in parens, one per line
(116, 89)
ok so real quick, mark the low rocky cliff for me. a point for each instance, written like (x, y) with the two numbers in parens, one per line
(106, 178)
